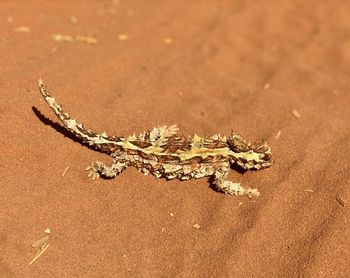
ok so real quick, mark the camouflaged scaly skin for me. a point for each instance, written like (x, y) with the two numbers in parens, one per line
(165, 153)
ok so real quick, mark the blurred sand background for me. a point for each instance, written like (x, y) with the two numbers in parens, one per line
(272, 70)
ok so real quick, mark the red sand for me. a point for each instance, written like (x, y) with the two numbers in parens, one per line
(237, 65)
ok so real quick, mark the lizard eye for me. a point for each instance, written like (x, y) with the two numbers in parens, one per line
(238, 144)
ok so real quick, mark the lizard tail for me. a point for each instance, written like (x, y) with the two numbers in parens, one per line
(101, 142)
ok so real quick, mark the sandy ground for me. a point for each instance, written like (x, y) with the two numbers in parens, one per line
(210, 67)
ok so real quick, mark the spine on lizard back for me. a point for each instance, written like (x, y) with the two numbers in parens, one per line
(101, 142)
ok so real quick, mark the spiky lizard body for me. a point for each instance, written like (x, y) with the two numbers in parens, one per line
(165, 153)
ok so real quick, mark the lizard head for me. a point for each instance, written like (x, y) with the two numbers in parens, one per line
(249, 156)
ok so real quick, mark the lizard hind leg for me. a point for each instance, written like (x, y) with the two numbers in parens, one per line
(98, 168)
(232, 188)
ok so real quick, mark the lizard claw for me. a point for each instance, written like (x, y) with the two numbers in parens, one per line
(92, 172)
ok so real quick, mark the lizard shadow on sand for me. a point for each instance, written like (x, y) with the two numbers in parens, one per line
(58, 127)
(238, 169)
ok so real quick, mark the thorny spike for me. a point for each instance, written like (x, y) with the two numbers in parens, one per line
(104, 134)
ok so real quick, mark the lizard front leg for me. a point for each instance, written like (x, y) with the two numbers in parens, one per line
(228, 187)
(98, 169)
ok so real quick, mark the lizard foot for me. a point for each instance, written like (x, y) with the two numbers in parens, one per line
(98, 169)
(93, 171)
(232, 188)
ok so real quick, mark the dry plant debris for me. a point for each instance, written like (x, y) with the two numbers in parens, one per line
(86, 39)
(67, 38)
(296, 113)
(62, 38)
(73, 19)
(168, 41)
(42, 244)
(22, 29)
(65, 171)
(340, 200)
(123, 37)
(278, 134)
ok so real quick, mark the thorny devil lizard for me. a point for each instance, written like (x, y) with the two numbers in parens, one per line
(165, 153)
